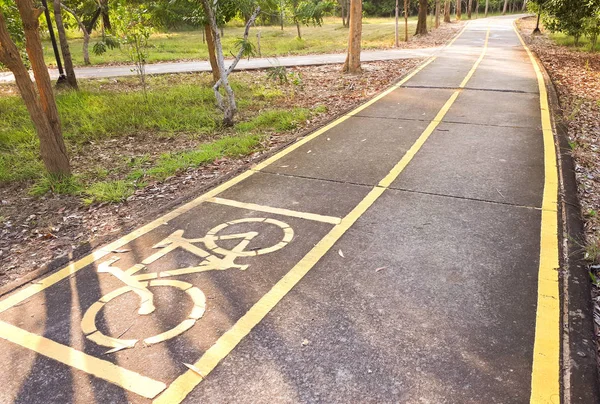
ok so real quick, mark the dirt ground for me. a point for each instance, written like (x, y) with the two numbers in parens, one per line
(576, 76)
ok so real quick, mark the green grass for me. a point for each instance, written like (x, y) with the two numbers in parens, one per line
(567, 40)
(170, 164)
(108, 191)
(277, 120)
(330, 37)
(106, 113)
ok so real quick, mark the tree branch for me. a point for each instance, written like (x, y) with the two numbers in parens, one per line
(246, 33)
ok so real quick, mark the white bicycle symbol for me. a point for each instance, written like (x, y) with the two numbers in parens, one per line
(140, 283)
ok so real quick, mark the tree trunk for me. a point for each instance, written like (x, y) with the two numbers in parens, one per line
(29, 16)
(352, 64)
(422, 19)
(343, 5)
(458, 9)
(86, 34)
(470, 7)
(447, 11)
(298, 29)
(229, 106)
(86, 49)
(105, 14)
(405, 20)
(396, 33)
(437, 13)
(64, 45)
(52, 147)
(487, 6)
(537, 24)
(505, 7)
(210, 42)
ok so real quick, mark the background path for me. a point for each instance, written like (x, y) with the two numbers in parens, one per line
(257, 63)
(407, 252)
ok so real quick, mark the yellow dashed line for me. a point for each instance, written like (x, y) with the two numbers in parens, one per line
(545, 374)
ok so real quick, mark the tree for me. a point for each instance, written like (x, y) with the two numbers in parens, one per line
(352, 64)
(134, 28)
(568, 16)
(309, 11)
(505, 7)
(437, 13)
(396, 25)
(422, 18)
(42, 108)
(487, 4)
(447, 11)
(86, 34)
(405, 20)
(228, 105)
(469, 8)
(64, 45)
(458, 9)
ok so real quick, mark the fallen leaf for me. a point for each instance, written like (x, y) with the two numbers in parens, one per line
(341, 253)
(380, 269)
(194, 369)
(305, 342)
(121, 251)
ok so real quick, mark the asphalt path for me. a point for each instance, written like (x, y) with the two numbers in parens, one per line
(407, 252)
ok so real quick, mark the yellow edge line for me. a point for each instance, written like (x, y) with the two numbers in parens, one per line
(184, 384)
(277, 211)
(545, 374)
(142, 385)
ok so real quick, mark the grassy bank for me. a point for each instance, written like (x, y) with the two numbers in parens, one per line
(119, 140)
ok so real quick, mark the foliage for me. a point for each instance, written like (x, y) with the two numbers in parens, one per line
(246, 47)
(103, 45)
(572, 17)
(277, 73)
(132, 25)
(13, 21)
(310, 11)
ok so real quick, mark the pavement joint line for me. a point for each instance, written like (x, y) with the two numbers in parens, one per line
(128, 380)
(545, 372)
(447, 121)
(277, 211)
(497, 90)
(466, 198)
(184, 384)
(305, 177)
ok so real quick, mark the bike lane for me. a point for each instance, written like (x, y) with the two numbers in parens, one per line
(391, 209)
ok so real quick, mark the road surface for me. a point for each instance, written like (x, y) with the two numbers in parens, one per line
(406, 253)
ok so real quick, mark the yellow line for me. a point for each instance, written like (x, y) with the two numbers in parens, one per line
(545, 374)
(387, 181)
(144, 386)
(185, 383)
(277, 211)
